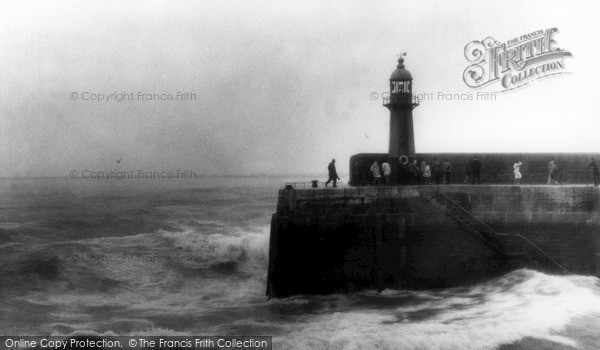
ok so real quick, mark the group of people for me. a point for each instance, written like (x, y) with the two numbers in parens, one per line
(386, 169)
(416, 172)
(554, 172)
(421, 172)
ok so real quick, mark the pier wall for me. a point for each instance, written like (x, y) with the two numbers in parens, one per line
(339, 240)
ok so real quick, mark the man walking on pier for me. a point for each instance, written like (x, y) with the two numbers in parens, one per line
(333, 176)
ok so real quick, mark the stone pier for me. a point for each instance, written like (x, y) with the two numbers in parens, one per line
(340, 240)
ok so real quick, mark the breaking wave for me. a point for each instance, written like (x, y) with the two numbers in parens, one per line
(175, 261)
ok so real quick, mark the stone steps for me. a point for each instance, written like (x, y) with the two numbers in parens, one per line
(464, 220)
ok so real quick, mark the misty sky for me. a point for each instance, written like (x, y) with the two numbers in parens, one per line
(281, 87)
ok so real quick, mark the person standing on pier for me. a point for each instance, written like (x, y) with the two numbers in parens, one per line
(554, 174)
(550, 167)
(468, 171)
(595, 171)
(475, 171)
(447, 170)
(416, 171)
(376, 173)
(517, 169)
(426, 172)
(437, 171)
(333, 176)
(387, 171)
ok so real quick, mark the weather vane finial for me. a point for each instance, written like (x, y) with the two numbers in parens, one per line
(401, 60)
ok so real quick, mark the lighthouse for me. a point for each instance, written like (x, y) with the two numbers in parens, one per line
(400, 102)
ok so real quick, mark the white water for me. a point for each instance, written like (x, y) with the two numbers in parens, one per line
(192, 259)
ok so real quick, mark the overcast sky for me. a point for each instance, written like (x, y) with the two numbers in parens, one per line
(281, 87)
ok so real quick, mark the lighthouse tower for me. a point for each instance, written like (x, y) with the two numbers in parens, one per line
(400, 102)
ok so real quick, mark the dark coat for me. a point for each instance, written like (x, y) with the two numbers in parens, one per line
(476, 166)
(595, 168)
(332, 172)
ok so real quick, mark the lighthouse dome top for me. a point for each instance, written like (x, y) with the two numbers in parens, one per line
(400, 73)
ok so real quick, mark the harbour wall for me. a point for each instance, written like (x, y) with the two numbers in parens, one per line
(327, 240)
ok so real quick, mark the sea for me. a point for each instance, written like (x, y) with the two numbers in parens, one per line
(190, 256)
